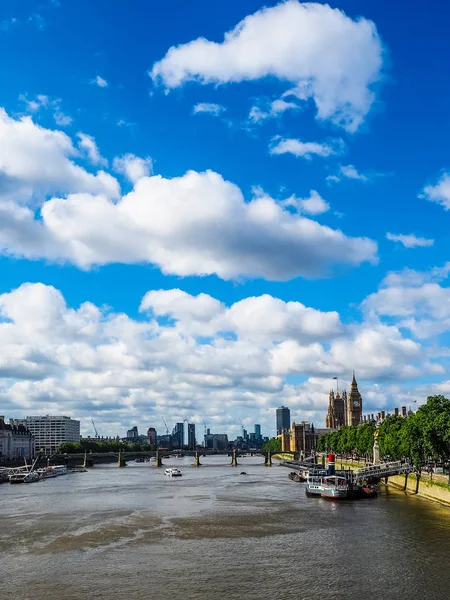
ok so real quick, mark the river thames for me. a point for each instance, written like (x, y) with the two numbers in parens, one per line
(134, 533)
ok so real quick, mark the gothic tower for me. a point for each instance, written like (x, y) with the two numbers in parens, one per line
(330, 421)
(344, 398)
(354, 403)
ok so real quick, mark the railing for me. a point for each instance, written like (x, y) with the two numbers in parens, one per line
(383, 470)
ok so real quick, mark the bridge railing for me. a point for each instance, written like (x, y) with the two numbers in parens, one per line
(383, 470)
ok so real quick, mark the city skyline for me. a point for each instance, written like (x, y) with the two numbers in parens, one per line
(213, 241)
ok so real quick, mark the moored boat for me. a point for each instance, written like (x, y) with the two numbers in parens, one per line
(297, 477)
(334, 487)
(60, 469)
(46, 472)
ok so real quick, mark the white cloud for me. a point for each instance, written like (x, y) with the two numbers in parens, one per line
(349, 172)
(88, 144)
(43, 102)
(313, 205)
(133, 167)
(328, 57)
(36, 162)
(100, 82)
(208, 108)
(410, 241)
(196, 224)
(306, 149)
(89, 361)
(439, 193)
(273, 109)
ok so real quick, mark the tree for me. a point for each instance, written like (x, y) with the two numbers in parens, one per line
(273, 445)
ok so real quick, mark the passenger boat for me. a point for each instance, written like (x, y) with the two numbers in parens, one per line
(334, 487)
(314, 483)
(24, 477)
(173, 472)
(60, 469)
(47, 472)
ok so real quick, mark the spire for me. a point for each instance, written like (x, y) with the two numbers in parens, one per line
(354, 379)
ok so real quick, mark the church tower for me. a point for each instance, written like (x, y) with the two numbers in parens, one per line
(354, 403)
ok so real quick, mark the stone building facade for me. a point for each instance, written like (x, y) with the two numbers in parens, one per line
(300, 438)
(346, 409)
(16, 440)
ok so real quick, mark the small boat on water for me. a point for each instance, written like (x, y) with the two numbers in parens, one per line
(60, 469)
(297, 477)
(77, 470)
(314, 483)
(173, 472)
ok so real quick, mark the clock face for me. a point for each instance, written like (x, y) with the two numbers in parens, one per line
(355, 404)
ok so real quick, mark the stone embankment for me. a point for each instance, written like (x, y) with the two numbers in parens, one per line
(436, 489)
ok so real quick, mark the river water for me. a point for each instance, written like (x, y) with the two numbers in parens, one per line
(133, 533)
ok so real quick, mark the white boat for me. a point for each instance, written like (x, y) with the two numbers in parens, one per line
(46, 472)
(60, 469)
(173, 472)
(24, 477)
(334, 487)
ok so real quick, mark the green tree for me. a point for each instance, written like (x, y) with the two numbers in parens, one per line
(273, 445)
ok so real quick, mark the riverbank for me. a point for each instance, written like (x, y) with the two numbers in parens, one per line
(436, 489)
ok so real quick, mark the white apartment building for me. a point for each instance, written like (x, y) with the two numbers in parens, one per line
(49, 432)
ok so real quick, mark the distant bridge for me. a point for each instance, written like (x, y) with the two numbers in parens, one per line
(88, 459)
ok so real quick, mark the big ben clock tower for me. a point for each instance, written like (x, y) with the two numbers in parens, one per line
(354, 403)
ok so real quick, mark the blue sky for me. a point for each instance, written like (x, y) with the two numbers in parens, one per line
(343, 105)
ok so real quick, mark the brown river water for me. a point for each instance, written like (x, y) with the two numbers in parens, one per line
(133, 533)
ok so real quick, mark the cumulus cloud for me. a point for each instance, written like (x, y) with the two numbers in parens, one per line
(87, 144)
(196, 224)
(415, 300)
(327, 56)
(409, 241)
(133, 167)
(208, 108)
(314, 204)
(36, 162)
(306, 149)
(440, 192)
(89, 361)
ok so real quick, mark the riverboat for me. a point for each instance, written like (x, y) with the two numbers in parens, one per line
(47, 472)
(314, 483)
(24, 477)
(334, 487)
(173, 472)
(60, 469)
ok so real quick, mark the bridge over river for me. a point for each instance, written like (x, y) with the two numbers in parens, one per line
(91, 458)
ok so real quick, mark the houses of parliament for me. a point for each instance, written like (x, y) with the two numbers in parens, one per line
(344, 410)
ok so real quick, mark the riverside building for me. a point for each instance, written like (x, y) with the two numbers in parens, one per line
(283, 419)
(16, 440)
(50, 432)
(344, 409)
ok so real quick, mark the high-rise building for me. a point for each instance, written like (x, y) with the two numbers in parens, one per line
(49, 432)
(191, 436)
(133, 434)
(283, 419)
(178, 435)
(151, 436)
(216, 441)
(257, 431)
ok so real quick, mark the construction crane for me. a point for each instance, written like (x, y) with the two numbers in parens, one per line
(167, 429)
(95, 429)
